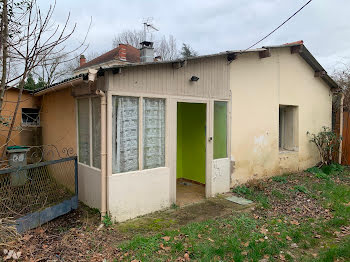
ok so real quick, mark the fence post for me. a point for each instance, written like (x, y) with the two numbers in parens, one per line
(76, 175)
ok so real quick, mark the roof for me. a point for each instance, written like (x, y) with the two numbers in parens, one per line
(132, 56)
(303, 51)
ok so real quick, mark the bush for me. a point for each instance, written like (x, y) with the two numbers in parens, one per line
(327, 143)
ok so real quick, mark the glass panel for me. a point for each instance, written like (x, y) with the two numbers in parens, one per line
(125, 134)
(220, 129)
(84, 131)
(153, 132)
(96, 131)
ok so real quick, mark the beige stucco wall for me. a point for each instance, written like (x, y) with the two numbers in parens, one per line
(137, 193)
(258, 87)
(58, 121)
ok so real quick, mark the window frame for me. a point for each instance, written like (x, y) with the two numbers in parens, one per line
(91, 155)
(25, 124)
(282, 127)
(140, 98)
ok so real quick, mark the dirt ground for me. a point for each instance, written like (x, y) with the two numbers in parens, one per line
(76, 237)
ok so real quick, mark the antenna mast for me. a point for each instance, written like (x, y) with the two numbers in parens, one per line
(148, 27)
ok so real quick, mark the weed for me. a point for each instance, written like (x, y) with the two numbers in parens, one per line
(242, 190)
(322, 176)
(278, 194)
(174, 206)
(255, 184)
(106, 220)
(301, 189)
(263, 201)
(334, 253)
(280, 179)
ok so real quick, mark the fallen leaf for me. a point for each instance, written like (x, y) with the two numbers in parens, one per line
(164, 248)
(166, 238)
(187, 257)
(288, 238)
(317, 236)
(294, 222)
(199, 236)
(263, 231)
(210, 239)
(244, 253)
(246, 244)
(282, 257)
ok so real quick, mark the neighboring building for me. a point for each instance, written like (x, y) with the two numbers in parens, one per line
(181, 130)
(27, 127)
(122, 54)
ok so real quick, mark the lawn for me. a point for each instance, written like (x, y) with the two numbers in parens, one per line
(296, 217)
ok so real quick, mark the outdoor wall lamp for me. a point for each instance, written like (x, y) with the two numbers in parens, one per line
(194, 78)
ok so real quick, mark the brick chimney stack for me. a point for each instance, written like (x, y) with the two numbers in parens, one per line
(122, 52)
(82, 60)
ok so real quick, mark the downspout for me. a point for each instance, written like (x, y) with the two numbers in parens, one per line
(341, 124)
(103, 154)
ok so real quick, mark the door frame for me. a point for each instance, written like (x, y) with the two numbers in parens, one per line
(208, 146)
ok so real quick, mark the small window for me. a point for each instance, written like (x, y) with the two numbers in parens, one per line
(84, 131)
(125, 132)
(30, 117)
(288, 128)
(153, 133)
(220, 129)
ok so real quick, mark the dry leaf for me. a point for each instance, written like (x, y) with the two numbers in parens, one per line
(210, 239)
(294, 222)
(244, 253)
(282, 257)
(199, 236)
(187, 257)
(288, 238)
(166, 238)
(246, 244)
(264, 231)
(164, 248)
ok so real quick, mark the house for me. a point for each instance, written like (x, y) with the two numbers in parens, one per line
(149, 134)
(120, 55)
(27, 130)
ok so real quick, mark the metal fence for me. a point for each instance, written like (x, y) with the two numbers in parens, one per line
(36, 193)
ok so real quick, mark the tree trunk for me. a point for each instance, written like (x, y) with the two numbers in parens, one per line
(4, 42)
(21, 86)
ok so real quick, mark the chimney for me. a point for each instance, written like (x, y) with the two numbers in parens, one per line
(82, 60)
(122, 52)
(146, 52)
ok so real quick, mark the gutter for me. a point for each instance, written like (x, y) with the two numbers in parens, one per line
(72, 83)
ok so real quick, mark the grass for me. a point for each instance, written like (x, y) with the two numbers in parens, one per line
(252, 237)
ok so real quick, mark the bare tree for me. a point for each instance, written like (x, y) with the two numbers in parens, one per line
(129, 37)
(165, 47)
(37, 39)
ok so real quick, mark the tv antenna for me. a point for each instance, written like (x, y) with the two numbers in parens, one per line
(148, 27)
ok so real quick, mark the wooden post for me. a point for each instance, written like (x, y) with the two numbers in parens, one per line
(341, 124)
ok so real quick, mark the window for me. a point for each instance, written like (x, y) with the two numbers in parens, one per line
(84, 131)
(220, 129)
(153, 133)
(30, 117)
(288, 128)
(96, 131)
(125, 134)
(128, 126)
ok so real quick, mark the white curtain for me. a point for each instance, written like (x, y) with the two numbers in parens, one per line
(96, 131)
(84, 131)
(125, 134)
(153, 133)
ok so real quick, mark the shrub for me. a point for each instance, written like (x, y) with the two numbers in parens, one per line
(327, 143)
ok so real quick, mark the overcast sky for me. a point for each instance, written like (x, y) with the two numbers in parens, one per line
(219, 25)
